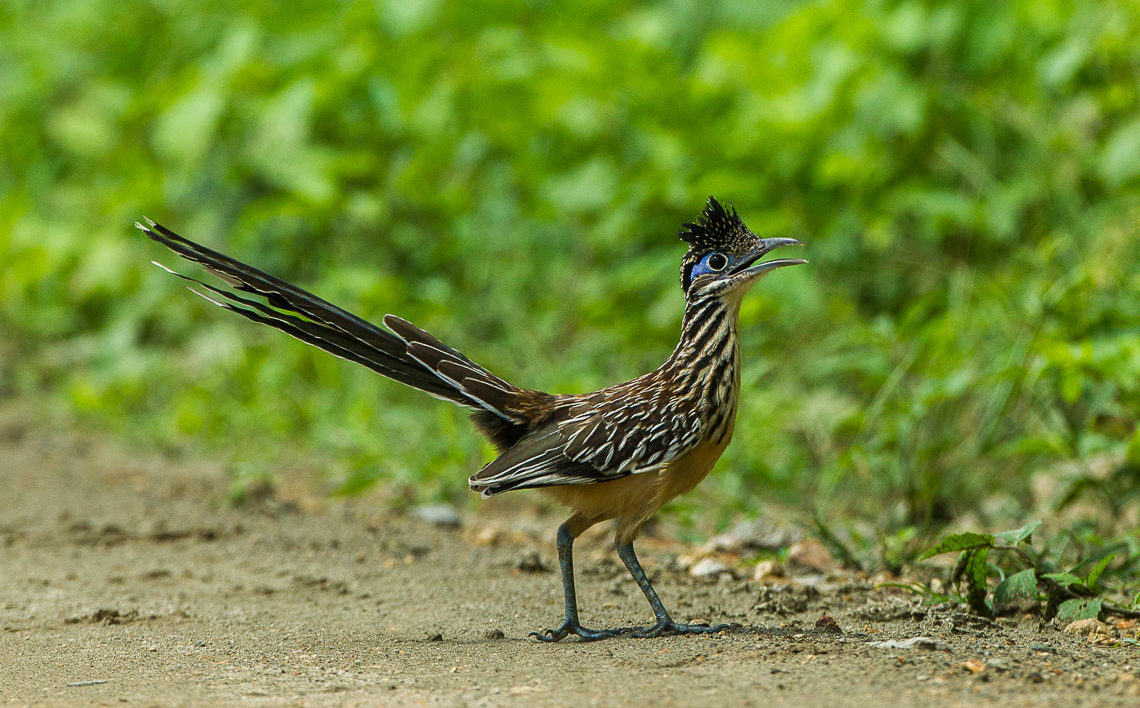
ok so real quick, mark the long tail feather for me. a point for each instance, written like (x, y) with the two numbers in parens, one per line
(406, 354)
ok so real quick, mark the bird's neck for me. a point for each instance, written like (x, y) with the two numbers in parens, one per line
(708, 346)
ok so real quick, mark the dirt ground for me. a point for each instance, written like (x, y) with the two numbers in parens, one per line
(126, 578)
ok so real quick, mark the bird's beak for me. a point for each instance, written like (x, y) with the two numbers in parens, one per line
(748, 269)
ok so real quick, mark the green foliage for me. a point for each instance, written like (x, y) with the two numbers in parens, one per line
(1068, 596)
(1080, 608)
(1017, 587)
(511, 176)
(960, 542)
(1017, 536)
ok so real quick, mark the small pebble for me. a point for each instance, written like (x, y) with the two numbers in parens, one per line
(810, 553)
(488, 536)
(767, 570)
(928, 643)
(530, 561)
(1086, 627)
(974, 666)
(754, 534)
(707, 568)
(437, 514)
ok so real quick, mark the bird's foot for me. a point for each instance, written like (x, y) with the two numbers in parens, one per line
(668, 626)
(586, 635)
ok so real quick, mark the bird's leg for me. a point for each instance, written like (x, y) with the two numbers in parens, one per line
(665, 623)
(571, 625)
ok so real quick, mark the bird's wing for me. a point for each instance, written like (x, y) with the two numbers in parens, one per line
(591, 444)
(537, 460)
(636, 436)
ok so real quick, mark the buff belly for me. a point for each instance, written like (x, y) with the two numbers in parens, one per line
(635, 498)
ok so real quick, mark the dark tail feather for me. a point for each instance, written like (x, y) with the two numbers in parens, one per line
(489, 391)
(411, 356)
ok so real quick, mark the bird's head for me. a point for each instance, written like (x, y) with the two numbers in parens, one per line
(723, 254)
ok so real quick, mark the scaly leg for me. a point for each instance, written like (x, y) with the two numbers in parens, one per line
(571, 625)
(665, 623)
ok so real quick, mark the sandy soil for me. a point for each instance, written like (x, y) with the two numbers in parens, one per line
(126, 578)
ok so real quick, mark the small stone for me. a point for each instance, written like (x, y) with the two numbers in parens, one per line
(810, 553)
(494, 634)
(754, 534)
(684, 561)
(523, 690)
(1087, 627)
(768, 571)
(997, 663)
(435, 637)
(720, 542)
(928, 643)
(707, 568)
(437, 514)
(974, 666)
(1102, 640)
(488, 536)
(530, 561)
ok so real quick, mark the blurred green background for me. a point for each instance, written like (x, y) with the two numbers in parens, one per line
(511, 176)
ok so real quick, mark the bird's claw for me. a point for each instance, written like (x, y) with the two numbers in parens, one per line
(586, 635)
(665, 627)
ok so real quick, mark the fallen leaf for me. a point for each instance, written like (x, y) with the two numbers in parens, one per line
(827, 623)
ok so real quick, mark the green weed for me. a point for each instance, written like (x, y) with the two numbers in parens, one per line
(1066, 595)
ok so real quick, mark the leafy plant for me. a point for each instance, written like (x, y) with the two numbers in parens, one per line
(1067, 595)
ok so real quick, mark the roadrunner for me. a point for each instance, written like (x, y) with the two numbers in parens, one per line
(618, 453)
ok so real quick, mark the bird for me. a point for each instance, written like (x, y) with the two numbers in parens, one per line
(619, 453)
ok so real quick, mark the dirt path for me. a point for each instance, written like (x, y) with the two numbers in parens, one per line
(126, 578)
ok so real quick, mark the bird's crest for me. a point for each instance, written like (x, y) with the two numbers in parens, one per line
(717, 228)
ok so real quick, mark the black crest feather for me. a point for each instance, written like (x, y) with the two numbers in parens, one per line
(716, 228)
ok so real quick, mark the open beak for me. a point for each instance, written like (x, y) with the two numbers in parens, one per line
(749, 269)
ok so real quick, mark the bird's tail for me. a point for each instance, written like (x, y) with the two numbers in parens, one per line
(402, 352)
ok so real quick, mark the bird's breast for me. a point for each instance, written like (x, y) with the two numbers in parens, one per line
(688, 469)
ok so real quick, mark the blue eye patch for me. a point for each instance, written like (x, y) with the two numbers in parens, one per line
(713, 262)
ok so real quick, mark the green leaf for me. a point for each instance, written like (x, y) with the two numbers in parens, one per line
(1018, 586)
(1079, 609)
(1091, 579)
(960, 542)
(1063, 579)
(1120, 160)
(1133, 455)
(1012, 538)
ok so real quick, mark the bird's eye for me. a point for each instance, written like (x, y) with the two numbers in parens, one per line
(716, 261)
(713, 262)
